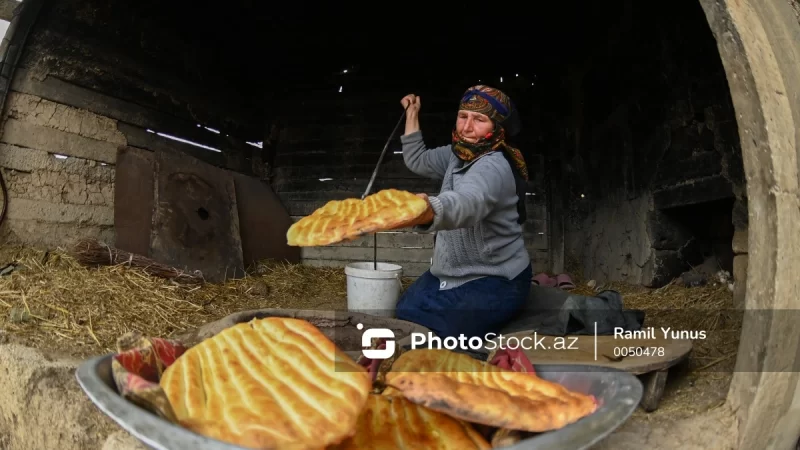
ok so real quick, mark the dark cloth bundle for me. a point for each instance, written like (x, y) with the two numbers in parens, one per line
(553, 312)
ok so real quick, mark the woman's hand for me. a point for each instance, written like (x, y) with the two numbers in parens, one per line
(425, 219)
(427, 216)
(412, 104)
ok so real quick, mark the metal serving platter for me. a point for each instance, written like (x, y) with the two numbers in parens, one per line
(618, 393)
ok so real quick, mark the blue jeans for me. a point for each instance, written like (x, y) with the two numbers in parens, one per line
(473, 309)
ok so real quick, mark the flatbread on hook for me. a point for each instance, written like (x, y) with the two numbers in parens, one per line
(341, 220)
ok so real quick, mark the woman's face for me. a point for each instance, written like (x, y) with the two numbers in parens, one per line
(473, 126)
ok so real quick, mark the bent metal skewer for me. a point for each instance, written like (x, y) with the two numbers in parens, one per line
(372, 180)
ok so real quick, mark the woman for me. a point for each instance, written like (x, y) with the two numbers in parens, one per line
(481, 271)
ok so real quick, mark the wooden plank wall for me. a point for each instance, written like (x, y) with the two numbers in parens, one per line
(72, 59)
(329, 152)
(75, 99)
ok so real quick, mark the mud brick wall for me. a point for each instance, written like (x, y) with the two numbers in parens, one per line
(94, 76)
(326, 148)
(641, 141)
(51, 198)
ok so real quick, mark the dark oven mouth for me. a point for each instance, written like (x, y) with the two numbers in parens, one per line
(700, 234)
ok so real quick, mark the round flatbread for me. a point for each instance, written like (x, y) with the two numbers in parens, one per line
(341, 220)
(397, 423)
(474, 391)
(268, 383)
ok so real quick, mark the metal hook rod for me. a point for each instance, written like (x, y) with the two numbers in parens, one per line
(372, 180)
(380, 159)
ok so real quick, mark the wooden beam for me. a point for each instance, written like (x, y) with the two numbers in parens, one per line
(539, 260)
(29, 135)
(410, 269)
(398, 240)
(67, 93)
(141, 138)
(413, 255)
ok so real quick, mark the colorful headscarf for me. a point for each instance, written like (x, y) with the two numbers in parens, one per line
(487, 100)
(498, 107)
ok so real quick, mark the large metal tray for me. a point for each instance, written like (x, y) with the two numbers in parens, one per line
(618, 392)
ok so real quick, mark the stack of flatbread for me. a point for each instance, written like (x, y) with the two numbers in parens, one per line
(280, 383)
(342, 220)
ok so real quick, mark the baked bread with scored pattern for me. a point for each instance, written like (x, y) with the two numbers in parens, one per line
(475, 391)
(341, 220)
(273, 383)
(395, 423)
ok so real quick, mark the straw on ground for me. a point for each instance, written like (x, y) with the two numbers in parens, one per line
(52, 302)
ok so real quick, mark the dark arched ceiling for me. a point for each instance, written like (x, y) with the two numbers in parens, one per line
(249, 52)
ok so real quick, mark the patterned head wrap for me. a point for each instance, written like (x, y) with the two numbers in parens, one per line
(487, 100)
(499, 108)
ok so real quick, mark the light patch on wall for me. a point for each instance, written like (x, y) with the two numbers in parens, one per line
(209, 129)
(185, 141)
(398, 153)
(62, 157)
(3, 27)
(340, 88)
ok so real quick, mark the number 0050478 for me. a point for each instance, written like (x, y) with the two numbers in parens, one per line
(638, 351)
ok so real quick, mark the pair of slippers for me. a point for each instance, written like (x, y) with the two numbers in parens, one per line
(562, 281)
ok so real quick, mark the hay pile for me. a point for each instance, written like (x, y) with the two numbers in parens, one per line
(702, 382)
(51, 301)
(708, 308)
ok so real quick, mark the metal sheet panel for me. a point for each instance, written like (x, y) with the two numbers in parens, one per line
(134, 186)
(196, 222)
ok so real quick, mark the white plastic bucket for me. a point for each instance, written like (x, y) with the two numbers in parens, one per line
(371, 291)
